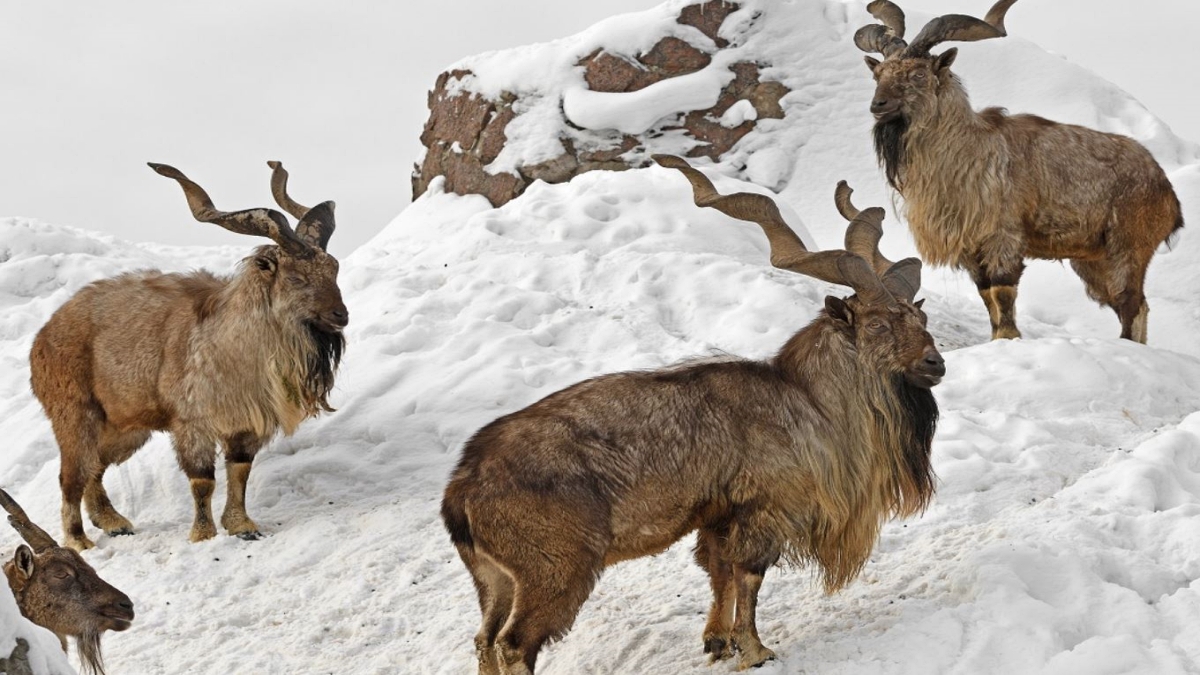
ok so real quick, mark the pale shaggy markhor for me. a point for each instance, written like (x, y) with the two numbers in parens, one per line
(1062, 539)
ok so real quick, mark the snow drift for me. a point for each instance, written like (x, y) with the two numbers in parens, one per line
(1063, 538)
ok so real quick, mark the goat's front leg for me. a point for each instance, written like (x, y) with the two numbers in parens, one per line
(239, 455)
(997, 286)
(747, 580)
(195, 455)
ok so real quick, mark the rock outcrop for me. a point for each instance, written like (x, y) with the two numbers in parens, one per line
(466, 132)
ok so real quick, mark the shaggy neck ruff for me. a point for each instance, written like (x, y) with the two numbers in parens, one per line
(275, 371)
(882, 429)
(949, 165)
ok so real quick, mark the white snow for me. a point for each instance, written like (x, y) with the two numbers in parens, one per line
(636, 111)
(1064, 537)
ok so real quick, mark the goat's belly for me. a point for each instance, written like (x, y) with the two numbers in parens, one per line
(1062, 248)
(649, 526)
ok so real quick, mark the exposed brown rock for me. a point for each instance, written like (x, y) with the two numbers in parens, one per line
(708, 17)
(608, 73)
(671, 57)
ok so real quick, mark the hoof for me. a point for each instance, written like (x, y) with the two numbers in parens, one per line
(718, 649)
(200, 533)
(79, 544)
(253, 535)
(120, 531)
(755, 659)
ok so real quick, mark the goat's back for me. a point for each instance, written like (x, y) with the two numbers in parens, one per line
(119, 343)
(1094, 190)
(632, 460)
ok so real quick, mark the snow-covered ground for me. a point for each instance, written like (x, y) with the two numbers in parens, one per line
(1065, 537)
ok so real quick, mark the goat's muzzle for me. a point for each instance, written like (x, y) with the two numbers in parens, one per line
(928, 371)
(118, 615)
(334, 319)
(885, 109)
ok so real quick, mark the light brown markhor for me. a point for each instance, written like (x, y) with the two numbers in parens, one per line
(801, 457)
(984, 190)
(56, 589)
(212, 360)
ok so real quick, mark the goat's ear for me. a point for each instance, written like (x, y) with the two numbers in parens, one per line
(266, 262)
(942, 61)
(872, 63)
(918, 303)
(24, 561)
(839, 310)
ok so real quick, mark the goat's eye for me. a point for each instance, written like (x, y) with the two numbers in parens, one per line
(876, 326)
(295, 280)
(61, 574)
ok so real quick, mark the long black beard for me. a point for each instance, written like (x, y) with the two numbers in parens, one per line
(322, 363)
(889, 147)
(87, 646)
(921, 414)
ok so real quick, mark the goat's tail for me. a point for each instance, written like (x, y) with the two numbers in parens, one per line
(454, 516)
(1175, 233)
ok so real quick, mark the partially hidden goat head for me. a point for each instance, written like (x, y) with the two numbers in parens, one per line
(886, 326)
(908, 77)
(56, 589)
(301, 275)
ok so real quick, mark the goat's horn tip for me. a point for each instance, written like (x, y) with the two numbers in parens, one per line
(274, 164)
(669, 161)
(164, 170)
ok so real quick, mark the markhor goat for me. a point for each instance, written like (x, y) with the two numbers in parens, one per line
(212, 360)
(56, 589)
(801, 457)
(984, 190)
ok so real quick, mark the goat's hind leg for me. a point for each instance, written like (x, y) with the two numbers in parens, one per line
(552, 575)
(240, 450)
(115, 447)
(77, 430)
(1113, 286)
(710, 554)
(495, 590)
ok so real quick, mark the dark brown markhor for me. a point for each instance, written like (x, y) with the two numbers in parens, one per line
(800, 457)
(213, 360)
(56, 589)
(985, 190)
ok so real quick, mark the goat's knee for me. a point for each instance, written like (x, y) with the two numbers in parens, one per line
(202, 526)
(1001, 302)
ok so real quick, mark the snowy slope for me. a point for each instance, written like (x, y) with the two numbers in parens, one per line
(1063, 539)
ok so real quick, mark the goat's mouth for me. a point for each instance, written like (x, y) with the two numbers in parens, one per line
(925, 376)
(885, 116)
(117, 621)
(319, 325)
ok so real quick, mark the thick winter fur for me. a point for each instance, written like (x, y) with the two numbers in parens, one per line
(58, 590)
(984, 190)
(801, 457)
(213, 360)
